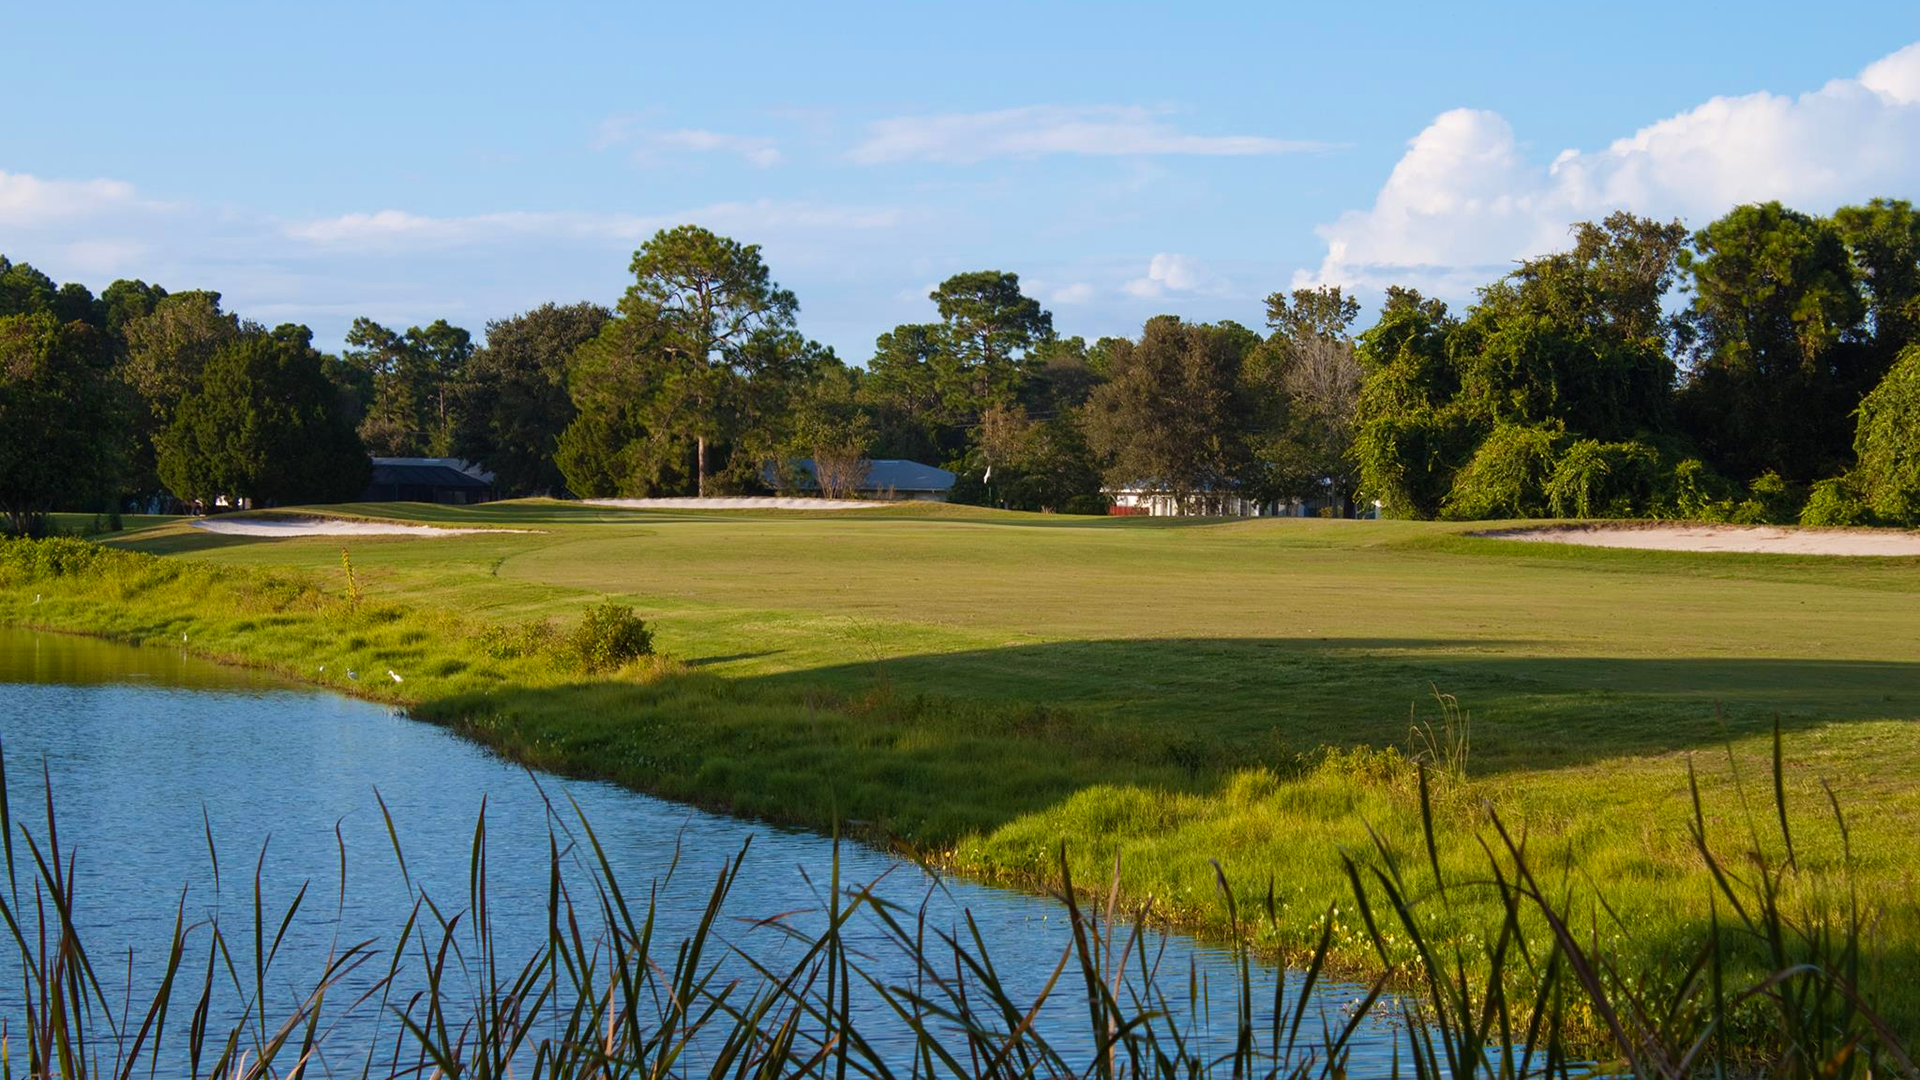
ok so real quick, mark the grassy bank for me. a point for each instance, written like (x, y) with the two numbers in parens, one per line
(984, 687)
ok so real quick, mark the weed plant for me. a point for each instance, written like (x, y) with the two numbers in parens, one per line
(605, 997)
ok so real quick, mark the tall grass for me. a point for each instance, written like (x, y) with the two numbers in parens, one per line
(607, 996)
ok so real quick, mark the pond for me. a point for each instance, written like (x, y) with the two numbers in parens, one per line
(164, 768)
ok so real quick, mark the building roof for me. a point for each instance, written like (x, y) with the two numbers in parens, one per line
(892, 474)
(402, 471)
(902, 475)
(457, 464)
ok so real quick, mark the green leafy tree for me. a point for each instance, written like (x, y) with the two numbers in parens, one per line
(1410, 431)
(58, 412)
(829, 427)
(1578, 337)
(1606, 479)
(902, 392)
(264, 425)
(513, 394)
(1887, 443)
(707, 338)
(168, 347)
(1173, 413)
(1777, 369)
(415, 378)
(24, 290)
(167, 341)
(1306, 379)
(1883, 238)
(1060, 377)
(1508, 475)
(612, 446)
(991, 328)
(126, 300)
(1044, 465)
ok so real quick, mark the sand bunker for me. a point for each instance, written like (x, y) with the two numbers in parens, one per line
(739, 502)
(1755, 539)
(286, 527)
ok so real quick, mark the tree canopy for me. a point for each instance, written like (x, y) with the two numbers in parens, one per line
(700, 354)
(265, 425)
(1756, 369)
(58, 415)
(513, 401)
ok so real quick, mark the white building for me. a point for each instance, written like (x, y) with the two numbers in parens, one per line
(1155, 501)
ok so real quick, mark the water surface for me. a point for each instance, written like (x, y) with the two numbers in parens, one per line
(150, 752)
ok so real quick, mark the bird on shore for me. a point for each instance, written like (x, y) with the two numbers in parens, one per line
(36, 598)
(353, 675)
(395, 675)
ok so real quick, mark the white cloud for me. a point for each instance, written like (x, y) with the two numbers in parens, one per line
(27, 200)
(398, 229)
(1465, 201)
(1050, 129)
(1077, 293)
(758, 151)
(1168, 273)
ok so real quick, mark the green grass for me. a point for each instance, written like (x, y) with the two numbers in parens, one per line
(983, 686)
(95, 524)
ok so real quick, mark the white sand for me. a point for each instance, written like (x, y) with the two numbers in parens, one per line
(1756, 539)
(739, 502)
(279, 528)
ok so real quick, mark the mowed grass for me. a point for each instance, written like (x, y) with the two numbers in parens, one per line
(986, 686)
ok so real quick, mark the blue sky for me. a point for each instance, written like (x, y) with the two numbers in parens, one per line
(409, 162)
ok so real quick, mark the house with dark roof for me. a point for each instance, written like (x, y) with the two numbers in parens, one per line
(892, 479)
(430, 480)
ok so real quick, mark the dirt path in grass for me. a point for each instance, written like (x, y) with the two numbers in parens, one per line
(1754, 539)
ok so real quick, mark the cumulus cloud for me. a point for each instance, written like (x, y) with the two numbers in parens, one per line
(1466, 200)
(1169, 273)
(28, 200)
(1034, 130)
(1077, 293)
(398, 229)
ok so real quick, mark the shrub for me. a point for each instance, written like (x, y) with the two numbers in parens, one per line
(609, 636)
(1407, 459)
(1507, 475)
(23, 560)
(1770, 501)
(1085, 504)
(1835, 502)
(526, 639)
(1697, 493)
(1887, 442)
(1596, 479)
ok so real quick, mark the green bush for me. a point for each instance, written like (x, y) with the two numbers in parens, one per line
(1601, 479)
(1835, 502)
(609, 636)
(526, 639)
(1085, 504)
(1696, 493)
(1507, 475)
(1770, 501)
(1887, 442)
(23, 560)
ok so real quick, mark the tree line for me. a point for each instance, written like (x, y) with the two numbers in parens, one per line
(1765, 368)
